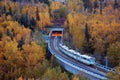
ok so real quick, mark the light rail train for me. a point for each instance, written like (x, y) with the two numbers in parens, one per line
(76, 55)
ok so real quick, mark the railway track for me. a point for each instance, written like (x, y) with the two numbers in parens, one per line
(54, 43)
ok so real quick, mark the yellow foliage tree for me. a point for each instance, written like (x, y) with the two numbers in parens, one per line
(114, 75)
(76, 28)
(33, 53)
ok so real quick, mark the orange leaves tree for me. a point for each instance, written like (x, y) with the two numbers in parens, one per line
(76, 28)
(44, 20)
(15, 30)
(104, 30)
(15, 60)
(106, 26)
(74, 5)
(33, 53)
(113, 52)
(54, 6)
(42, 16)
(26, 15)
(114, 75)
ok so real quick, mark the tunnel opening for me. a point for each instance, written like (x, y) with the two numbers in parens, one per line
(56, 33)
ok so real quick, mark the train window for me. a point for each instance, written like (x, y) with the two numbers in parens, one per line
(84, 58)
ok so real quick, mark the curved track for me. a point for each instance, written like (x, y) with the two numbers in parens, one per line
(54, 44)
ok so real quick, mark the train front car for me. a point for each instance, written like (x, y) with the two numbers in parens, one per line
(88, 59)
(76, 55)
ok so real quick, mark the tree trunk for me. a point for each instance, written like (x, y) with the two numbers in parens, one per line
(101, 6)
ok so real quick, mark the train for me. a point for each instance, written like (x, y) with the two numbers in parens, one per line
(76, 55)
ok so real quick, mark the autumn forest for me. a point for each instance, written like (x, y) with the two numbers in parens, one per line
(90, 26)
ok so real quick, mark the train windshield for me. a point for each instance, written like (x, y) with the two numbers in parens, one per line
(92, 60)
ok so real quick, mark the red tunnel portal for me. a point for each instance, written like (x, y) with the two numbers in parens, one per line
(56, 33)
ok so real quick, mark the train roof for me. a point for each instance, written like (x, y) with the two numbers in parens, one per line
(75, 52)
(71, 50)
(86, 56)
(65, 46)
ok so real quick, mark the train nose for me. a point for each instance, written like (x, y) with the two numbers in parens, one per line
(92, 62)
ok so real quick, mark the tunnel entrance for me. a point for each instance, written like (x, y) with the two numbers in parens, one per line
(56, 33)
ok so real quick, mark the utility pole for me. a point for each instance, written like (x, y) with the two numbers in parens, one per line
(106, 61)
